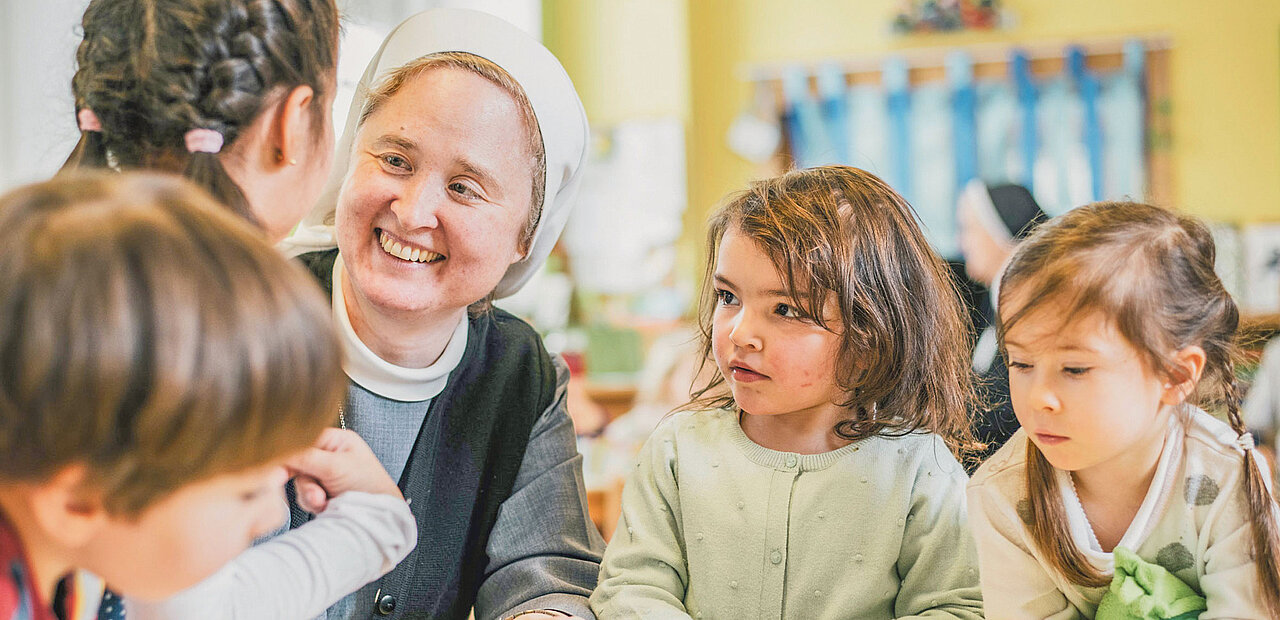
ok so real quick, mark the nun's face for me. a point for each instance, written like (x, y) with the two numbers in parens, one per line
(432, 209)
(983, 253)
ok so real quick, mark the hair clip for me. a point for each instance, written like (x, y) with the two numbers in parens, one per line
(1245, 442)
(203, 141)
(88, 121)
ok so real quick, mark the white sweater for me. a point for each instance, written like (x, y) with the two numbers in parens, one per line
(1193, 522)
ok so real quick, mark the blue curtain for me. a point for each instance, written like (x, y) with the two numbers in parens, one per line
(1071, 138)
(1121, 110)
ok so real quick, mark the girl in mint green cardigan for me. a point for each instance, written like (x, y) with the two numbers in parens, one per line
(814, 475)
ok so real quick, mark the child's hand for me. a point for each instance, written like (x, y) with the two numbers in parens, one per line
(340, 461)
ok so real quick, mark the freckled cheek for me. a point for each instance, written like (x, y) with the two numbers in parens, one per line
(810, 365)
(808, 376)
(720, 346)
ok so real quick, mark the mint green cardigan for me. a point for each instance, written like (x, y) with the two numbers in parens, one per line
(714, 525)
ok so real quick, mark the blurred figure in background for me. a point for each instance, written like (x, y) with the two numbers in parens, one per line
(1261, 408)
(992, 221)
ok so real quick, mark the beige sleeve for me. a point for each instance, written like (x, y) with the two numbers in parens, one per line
(1015, 586)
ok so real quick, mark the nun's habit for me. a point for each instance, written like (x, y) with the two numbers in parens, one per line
(480, 441)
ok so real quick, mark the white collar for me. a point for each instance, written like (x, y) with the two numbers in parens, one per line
(1149, 513)
(383, 378)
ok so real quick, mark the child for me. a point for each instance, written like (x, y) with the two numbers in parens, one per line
(158, 363)
(234, 94)
(820, 485)
(1113, 322)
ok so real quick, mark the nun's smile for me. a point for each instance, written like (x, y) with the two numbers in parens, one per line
(430, 216)
(406, 251)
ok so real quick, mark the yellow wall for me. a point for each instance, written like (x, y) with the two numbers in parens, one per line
(1224, 74)
(628, 58)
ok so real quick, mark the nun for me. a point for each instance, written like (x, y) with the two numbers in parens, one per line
(992, 220)
(453, 179)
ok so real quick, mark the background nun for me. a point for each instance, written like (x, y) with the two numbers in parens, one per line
(992, 220)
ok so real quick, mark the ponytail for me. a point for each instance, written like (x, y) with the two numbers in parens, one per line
(89, 152)
(206, 170)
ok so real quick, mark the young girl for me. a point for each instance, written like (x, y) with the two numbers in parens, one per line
(820, 483)
(1114, 322)
(234, 94)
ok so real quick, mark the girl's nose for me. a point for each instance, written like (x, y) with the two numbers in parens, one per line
(743, 332)
(1043, 396)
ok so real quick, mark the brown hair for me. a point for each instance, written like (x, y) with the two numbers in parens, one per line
(152, 336)
(151, 70)
(1151, 271)
(842, 232)
(487, 69)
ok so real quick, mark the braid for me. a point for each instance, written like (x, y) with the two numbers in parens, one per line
(1260, 503)
(1219, 340)
(194, 64)
(102, 82)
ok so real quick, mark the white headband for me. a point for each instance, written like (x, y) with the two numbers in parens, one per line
(976, 195)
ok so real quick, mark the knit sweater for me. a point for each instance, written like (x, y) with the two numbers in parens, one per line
(1193, 522)
(714, 525)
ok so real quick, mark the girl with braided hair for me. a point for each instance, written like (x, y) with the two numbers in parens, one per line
(233, 94)
(1116, 330)
(236, 96)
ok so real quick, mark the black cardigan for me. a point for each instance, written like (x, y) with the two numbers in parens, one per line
(463, 464)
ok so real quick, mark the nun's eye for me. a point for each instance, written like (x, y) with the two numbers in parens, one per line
(395, 161)
(464, 190)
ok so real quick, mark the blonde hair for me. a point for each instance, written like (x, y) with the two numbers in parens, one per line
(394, 81)
(151, 335)
(1151, 272)
(840, 231)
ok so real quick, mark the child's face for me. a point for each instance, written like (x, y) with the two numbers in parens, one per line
(1084, 395)
(187, 536)
(775, 362)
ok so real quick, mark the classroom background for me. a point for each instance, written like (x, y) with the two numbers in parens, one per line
(1173, 102)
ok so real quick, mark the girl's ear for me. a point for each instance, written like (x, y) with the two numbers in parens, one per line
(1190, 365)
(293, 125)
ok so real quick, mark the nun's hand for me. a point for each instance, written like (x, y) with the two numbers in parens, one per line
(340, 461)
